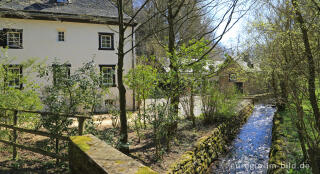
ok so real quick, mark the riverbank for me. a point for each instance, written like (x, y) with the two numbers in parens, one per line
(249, 151)
(286, 155)
(142, 151)
(210, 148)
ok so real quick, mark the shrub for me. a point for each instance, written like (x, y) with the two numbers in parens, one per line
(216, 103)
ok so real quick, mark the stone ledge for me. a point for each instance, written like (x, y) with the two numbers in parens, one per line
(88, 154)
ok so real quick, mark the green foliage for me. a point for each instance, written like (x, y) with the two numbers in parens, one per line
(69, 93)
(143, 79)
(190, 66)
(109, 135)
(287, 46)
(218, 103)
(11, 96)
(294, 153)
(78, 92)
(164, 124)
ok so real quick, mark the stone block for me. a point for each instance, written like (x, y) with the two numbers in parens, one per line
(88, 154)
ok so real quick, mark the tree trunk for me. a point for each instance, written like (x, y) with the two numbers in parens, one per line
(144, 113)
(311, 67)
(314, 153)
(284, 93)
(275, 91)
(192, 107)
(301, 131)
(122, 90)
(173, 62)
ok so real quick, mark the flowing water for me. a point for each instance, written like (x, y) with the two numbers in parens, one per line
(250, 150)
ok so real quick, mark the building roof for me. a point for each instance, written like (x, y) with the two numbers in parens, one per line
(219, 65)
(99, 11)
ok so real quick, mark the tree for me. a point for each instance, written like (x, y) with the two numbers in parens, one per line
(143, 79)
(17, 92)
(174, 17)
(169, 13)
(288, 54)
(123, 25)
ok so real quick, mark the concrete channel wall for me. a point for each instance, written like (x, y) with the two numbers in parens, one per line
(211, 147)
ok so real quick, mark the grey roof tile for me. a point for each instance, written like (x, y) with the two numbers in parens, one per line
(99, 8)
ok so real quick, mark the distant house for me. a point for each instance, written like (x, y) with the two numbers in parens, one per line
(232, 73)
(73, 31)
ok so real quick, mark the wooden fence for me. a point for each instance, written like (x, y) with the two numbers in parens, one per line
(13, 142)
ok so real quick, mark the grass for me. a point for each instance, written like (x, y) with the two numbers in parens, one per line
(293, 149)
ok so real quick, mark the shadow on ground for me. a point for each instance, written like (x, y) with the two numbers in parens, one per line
(23, 166)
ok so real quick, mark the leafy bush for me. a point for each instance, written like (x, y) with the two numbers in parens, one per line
(143, 79)
(70, 93)
(216, 103)
(17, 91)
(164, 124)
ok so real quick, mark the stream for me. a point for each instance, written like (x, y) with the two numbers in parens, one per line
(249, 152)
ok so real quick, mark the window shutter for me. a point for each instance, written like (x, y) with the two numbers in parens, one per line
(112, 42)
(99, 41)
(3, 38)
(21, 37)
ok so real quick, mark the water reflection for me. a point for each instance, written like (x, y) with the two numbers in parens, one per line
(250, 150)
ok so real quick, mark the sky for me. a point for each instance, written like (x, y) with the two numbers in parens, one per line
(238, 31)
(231, 37)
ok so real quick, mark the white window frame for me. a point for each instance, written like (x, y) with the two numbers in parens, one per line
(109, 80)
(17, 80)
(108, 41)
(15, 40)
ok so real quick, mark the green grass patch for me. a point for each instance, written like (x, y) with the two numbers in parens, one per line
(294, 154)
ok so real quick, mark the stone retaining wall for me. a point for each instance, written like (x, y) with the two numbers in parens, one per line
(277, 153)
(209, 148)
(89, 155)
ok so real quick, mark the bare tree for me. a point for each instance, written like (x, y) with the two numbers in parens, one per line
(179, 15)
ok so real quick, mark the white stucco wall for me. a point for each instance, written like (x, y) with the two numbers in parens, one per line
(40, 40)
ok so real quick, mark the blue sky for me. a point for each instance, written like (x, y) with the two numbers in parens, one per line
(238, 31)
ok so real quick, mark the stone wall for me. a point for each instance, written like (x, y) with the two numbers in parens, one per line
(88, 154)
(277, 153)
(211, 147)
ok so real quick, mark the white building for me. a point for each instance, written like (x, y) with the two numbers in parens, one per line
(73, 31)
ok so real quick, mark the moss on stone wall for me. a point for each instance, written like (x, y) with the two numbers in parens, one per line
(82, 142)
(145, 170)
(209, 148)
(88, 154)
(277, 153)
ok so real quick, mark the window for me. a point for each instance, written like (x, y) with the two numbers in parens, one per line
(61, 36)
(108, 75)
(14, 75)
(106, 41)
(60, 73)
(109, 102)
(11, 38)
(232, 77)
